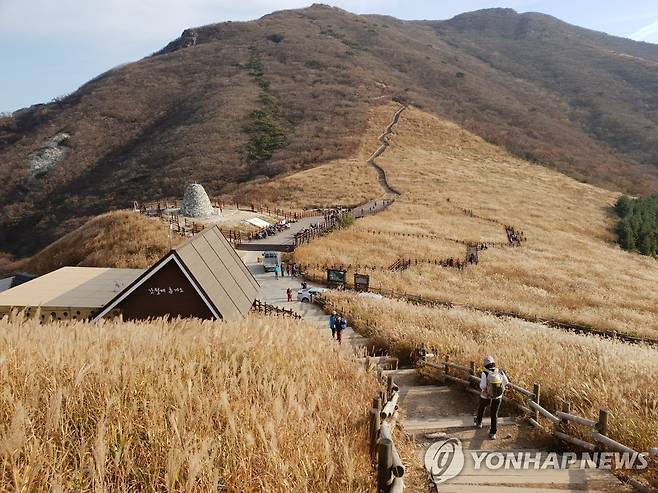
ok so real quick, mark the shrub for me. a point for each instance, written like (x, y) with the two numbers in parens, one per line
(275, 38)
(266, 136)
(638, 228)
(314, 64)
(346, 220)
(353, 45)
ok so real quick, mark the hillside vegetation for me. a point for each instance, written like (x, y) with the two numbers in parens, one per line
(231, 103)
(590, 372)
(181, 406)
(456, 189)
(638, 228)
(121, 239)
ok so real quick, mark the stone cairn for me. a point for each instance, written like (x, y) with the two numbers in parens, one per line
(196, 202)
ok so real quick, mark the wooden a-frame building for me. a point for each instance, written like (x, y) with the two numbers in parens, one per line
(203, 277)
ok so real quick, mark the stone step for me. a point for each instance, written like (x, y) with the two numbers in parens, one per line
(439, 423)
(498, 478)
(406, 379)
(456, 488)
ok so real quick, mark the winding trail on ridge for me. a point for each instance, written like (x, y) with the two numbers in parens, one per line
(383, 141)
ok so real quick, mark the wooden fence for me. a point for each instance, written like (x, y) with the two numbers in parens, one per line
(404, 263)
(529, 403)
(267, 309)
(424, 236)
(330, 219)
(420, 300)
(382, 421)
(158, 208)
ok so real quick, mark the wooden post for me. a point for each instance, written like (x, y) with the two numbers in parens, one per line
(602, 425)
(384, 465)
(377, 403)
(389, 387)
(536, 390)
(375, 423)
(566, 408)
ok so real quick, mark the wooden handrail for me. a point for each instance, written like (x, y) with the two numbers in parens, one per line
(613, 444)
(576, 419)
(544, 412)
(598, 433)
(521, 390)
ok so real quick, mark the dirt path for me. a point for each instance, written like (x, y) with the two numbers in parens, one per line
(383, 141)
(273, 291)
(287, 237)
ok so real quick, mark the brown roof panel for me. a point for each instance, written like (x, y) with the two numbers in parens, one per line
(236, 257)
(198, 269)
(220, 272)
(224, 276)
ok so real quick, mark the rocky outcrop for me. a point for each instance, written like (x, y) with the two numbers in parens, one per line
(196, 202)
(188, 39)
(52, 153)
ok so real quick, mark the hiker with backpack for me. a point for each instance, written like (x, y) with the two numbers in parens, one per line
(492, 386)
(341, 325)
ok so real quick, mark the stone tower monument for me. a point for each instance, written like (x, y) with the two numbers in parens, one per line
(196, 202)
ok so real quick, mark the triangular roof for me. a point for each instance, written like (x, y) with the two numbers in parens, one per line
(214, 269)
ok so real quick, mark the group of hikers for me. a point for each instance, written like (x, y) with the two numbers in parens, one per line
(454, 262)
(337, 324)
(272, 229)
(290, 269)
(513, 236)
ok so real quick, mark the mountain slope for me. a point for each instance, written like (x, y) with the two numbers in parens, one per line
(236, 102)
(458, 190)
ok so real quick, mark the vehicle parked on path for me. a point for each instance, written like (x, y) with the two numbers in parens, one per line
(309, 294)
(271, 260)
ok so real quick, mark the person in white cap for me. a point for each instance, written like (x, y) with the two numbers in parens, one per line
(492, 387)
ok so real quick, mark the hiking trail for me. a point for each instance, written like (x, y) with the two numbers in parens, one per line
(384, 143)
(433, 411)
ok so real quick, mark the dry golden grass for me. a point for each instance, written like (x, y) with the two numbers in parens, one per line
(120, 239)
(591, 372)
(570, 269)
(259, 405)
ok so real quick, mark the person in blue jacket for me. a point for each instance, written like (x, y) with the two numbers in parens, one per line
(332, 324)
(341, 325)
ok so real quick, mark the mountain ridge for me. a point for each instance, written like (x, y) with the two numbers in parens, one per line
(239, 102)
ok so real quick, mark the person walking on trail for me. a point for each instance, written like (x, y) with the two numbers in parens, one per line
(289, 293)
(332, 323)
(492, 386)
(341, 325)
(277, 271)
